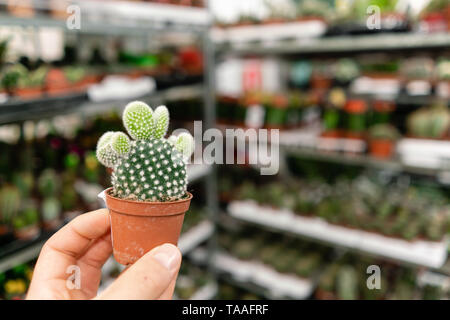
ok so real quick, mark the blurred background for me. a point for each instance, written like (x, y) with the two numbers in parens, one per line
(359, 90)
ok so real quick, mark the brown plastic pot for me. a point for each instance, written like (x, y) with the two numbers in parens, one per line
(138, 226)
(381, 148)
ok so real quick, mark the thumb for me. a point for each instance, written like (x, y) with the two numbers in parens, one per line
(148, 278)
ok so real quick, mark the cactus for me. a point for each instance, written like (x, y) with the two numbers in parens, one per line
(11, 76)
(150, 167)
(48, 183)
(24, 181)
(27, 217)
(51, 209)
(9, 203)
(383, 132)
(346, 283)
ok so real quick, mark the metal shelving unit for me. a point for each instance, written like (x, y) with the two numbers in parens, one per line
(431, 254)
(21, 110)
(427, 255)
(339, 44)
(116, 18)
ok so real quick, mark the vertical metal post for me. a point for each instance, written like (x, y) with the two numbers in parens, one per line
(209, 112)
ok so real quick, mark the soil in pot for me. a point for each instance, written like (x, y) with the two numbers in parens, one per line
(381, 148)
(138, 226)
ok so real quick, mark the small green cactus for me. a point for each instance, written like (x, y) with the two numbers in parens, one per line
(346, 283)
(150, 167)
(51, 209)
(9, 203)
(48, 183)
(383, 132)
(27, 217)
(24, 181)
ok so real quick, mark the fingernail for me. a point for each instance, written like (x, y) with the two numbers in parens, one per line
(168, 256)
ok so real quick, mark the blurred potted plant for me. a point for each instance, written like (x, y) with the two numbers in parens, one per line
(31, 84)
(382, 110)
(75, 76)
(294, 113)
(26, 222)
(332, 113)
(313, 10)
(276, 110)
(9, 206)
(345, 70)
(48, 185)
(56, 82)
(382, 138)
(431, 123)
(356, 118)
(22, 8)
(11, 76)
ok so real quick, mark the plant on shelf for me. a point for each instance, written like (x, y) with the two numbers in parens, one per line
(75, 75)
(56, 82)
(294, 113)
(345, 70)
(31, 84)
(332, 113)
(11, 75)
(443, 69)
(313, 10)
(347, 283)
(26, 222)
(149, 181)
(356, 113)
(9, 206)
(382, 110)
(382, 139)
(48, 184)
(276, 111)
(432, 122)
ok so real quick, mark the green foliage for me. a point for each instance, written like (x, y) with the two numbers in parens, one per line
(48, 183)
(149, 168)
(24, 181)
(384, 132)
(32, 79)
(27, 217)
(11, 76)
(431, 122)
(50, 208)
(9, 203)
(347, 285)
(74, 73)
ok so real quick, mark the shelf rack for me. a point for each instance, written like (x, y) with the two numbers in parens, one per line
(257, 277)
(341, 44)
(427, 255)
(123, 19)
(120, 18)
(418, 253)
(21, 110)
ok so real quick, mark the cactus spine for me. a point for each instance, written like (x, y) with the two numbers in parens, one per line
(150, 167)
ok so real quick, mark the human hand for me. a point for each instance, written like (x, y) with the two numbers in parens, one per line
(85, 242)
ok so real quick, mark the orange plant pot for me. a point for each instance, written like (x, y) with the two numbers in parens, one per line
(381, 148)
(28, 93)
(137, 226)
(27, 233)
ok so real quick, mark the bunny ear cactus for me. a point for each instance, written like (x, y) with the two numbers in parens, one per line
(150, 167)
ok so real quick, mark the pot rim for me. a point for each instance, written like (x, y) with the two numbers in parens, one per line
(189, 198)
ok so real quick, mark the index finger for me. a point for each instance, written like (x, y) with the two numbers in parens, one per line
(74, 238)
